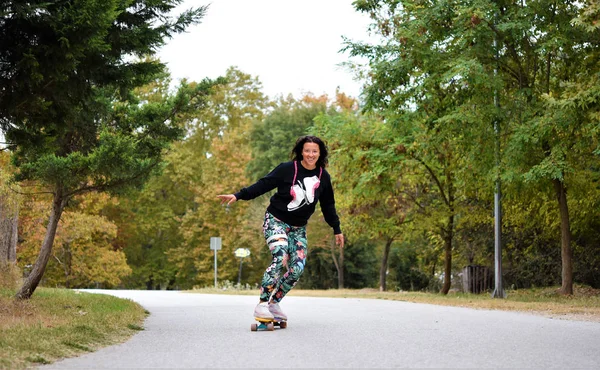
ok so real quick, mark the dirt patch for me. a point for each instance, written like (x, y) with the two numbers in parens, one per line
(15, 312)
(584, 291)
(368, 290)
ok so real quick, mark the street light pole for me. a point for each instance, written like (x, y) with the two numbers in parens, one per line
(498, 289)
(241, 253)
(240, 272)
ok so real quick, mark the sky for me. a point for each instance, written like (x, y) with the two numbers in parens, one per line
(292, 46)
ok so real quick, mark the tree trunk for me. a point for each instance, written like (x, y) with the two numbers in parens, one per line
(39, 268)
(565, 238)
(384, 265)
(448, 234)
(341, 270)
(9, 219)
(338, 261)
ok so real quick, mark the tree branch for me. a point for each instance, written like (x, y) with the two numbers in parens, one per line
(435, 179)
(523, 80)
(34, 193)
(104, 187)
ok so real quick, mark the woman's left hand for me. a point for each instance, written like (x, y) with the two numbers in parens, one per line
(339, 240)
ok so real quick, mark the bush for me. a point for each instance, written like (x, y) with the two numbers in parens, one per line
(404, 271)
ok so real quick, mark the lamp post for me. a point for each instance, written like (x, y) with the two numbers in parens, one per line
(498, 288)
(241, 253)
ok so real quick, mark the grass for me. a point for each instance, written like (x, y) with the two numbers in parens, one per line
(584, 304)
(60, 323)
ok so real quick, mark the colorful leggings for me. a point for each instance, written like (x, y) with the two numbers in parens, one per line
(288, 246)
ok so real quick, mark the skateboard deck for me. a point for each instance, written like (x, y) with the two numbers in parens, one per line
(268, 324)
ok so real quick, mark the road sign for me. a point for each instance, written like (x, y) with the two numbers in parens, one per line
(215, 243)
(242, 252)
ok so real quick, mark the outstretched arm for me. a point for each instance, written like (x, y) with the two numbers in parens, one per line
(265, 184)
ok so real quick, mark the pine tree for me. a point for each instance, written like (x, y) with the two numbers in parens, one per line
(67, 72)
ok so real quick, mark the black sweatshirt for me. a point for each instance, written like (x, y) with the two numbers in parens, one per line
(296, 211)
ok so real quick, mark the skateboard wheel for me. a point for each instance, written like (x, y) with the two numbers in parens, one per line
(253, 327)
(270, 326)
(283, 324)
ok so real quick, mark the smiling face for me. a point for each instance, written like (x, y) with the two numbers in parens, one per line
(310, 155)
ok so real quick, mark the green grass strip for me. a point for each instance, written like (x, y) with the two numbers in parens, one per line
(60, 323)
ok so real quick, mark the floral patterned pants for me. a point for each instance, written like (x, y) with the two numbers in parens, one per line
(288, 247)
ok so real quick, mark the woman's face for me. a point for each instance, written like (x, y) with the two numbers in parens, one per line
(310, 154)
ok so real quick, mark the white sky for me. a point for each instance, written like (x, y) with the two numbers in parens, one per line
(292, 46)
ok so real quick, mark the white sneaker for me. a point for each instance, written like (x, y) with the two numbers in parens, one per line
(311, 184)
(262, 311)
(277, 312)
(298, 199)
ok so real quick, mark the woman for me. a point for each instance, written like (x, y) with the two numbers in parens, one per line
(300, 183)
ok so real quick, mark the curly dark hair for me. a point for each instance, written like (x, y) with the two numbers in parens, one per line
(296, 154)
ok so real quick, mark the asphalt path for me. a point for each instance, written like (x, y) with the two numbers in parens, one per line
(187, 330)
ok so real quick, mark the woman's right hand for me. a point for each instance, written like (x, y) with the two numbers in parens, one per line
(227, 198)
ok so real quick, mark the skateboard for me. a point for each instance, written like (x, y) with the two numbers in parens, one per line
(268, 324)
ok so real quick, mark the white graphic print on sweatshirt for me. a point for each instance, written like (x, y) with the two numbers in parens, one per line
(305, 193)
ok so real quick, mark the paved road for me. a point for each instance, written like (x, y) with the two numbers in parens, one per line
(213, 331)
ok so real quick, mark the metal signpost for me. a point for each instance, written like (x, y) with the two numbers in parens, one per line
(241, 253)
(215, 245)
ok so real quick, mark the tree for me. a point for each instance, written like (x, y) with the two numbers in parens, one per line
(211, 161)
(283, 125)
(372, 189)
(436, 59)
(550, 67)
(428, 80)
(84, 253)
(273, 137)
(224, 172)
(56, 53)
(9, 215)
(149, 220)
(573, 106)
(66, 107)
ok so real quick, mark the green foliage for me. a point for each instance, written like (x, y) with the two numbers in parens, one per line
(319, 272)
(127, 149)
(437, 80)
(273, 137)
(155, 212)
(176, 213)
(56, 57)
(372, 190)
(361, 264)
(405, 272)
(67, 107)
(84, 253)
(414, 170)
